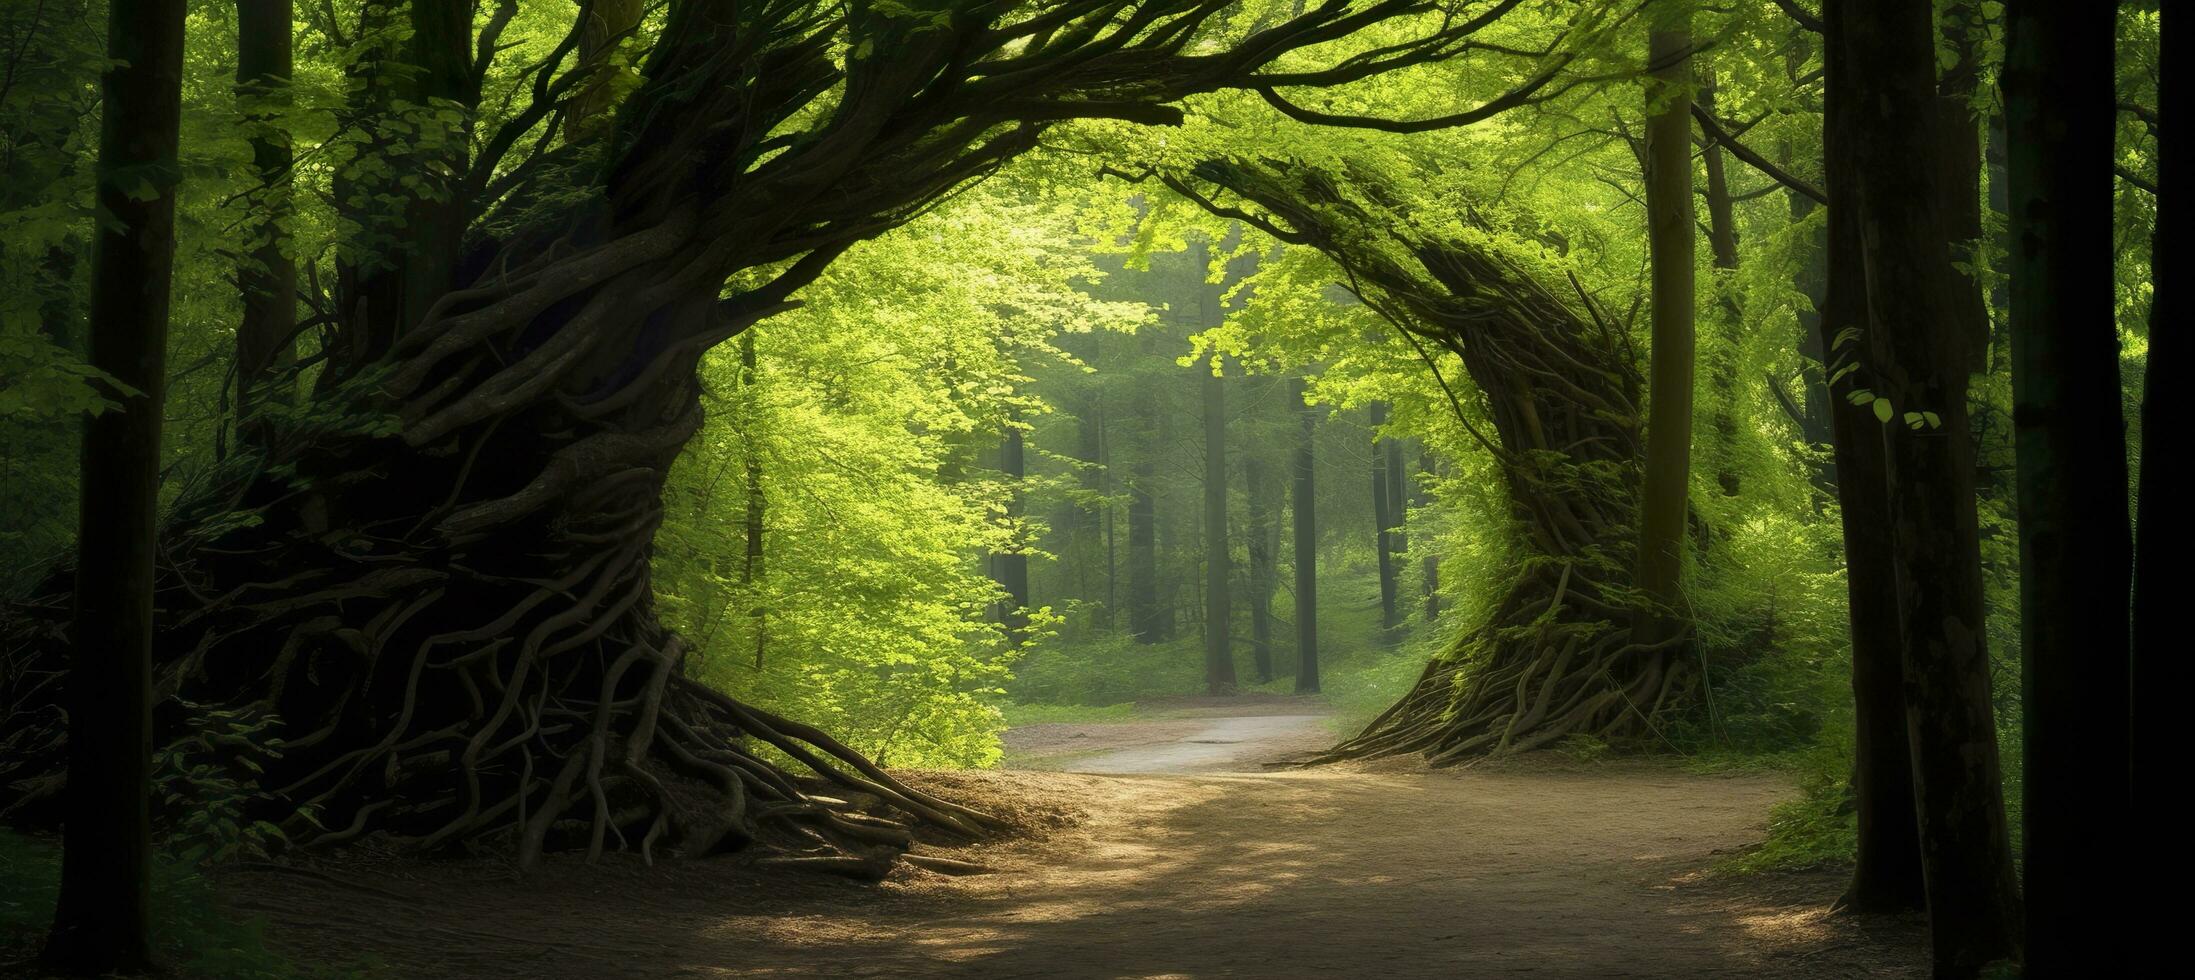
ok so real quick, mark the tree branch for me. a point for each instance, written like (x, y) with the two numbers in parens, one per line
(1715, 132)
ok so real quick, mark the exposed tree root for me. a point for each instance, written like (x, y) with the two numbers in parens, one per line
(1559, 388)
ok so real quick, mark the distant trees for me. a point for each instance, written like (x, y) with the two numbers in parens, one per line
(1303, 501)
(1383, 524)
(101, 924)
(1219, 658)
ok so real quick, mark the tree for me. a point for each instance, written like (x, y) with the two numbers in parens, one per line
(1383, 524)
(1147, 622)
(2076, 552)
(1919, 353)
(1668, 463)
(101, 922)
(2159, 522)
(1219, 658)
(1012, 567)
(1260, 549)
(1549, 662)
(267, 276)
(1886, 870)
(1304, 506)
(509, 372)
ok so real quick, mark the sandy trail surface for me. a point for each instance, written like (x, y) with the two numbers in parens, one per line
(1183, 869)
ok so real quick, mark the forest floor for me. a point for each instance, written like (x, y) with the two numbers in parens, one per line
(1182, 858)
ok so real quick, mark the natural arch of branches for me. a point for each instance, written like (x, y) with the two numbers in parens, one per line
(434, 570)
(1559, 386)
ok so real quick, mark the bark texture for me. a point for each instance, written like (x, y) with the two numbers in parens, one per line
(101, 923)
(1560, 392)
(1920, 356)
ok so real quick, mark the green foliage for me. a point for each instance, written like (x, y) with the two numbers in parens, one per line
(205, 782)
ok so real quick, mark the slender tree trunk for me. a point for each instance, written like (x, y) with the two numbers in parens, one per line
(1722, 246)
(1259, 490)
(2076, 552)
(1219, 659)
(1921, 351)
(1383, 523)
(1958, 158)
(1811, 279)
(751, 569)
(1670, 235)
(100, 924)
(1886, 872)
(1304, 507)
(1081, 518)
(1143, 608)
(267, 276)
(1012, 567)
(1430, 564)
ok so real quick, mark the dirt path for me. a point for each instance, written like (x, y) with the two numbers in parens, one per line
(1534, 872)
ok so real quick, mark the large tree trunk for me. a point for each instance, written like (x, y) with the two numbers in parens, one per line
(1666, 484)
(1563, 397)
(1920, 351)
(2076, 556)
(1303, 506)
(101, 924)
(1886, 872)
(1219, 658)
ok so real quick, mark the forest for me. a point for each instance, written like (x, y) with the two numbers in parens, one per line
(1083, 488)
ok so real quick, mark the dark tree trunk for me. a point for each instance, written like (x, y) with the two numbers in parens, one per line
(1259, 489)
(1886, 873)
(1665, 487)
(1722, 246)
(1815, 408)
(1011, 568)
(1920, 350)
(2076, 553)
(1383, 523)
(266, 276)
(1305, 550)
(1958, 159)
(1219, 658)
(100, 924)
(2159, 671)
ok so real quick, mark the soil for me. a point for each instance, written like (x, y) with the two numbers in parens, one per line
(1185, 858)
